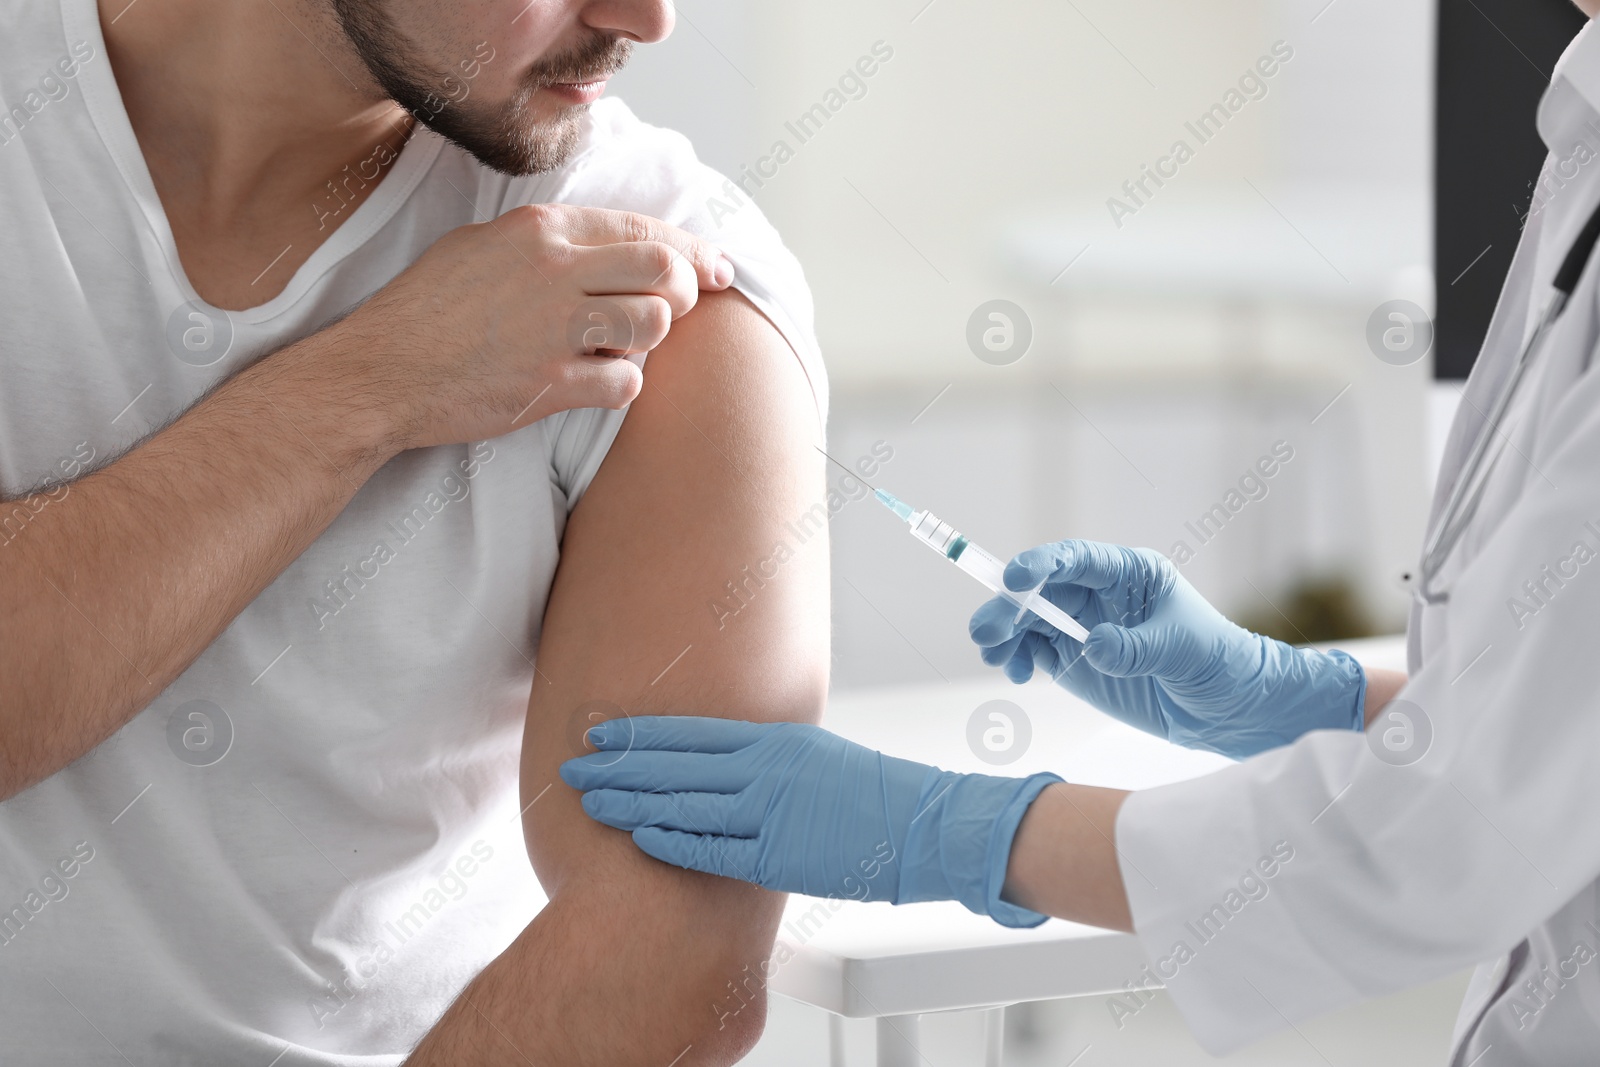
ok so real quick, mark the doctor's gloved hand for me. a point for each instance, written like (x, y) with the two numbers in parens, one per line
(1160, 657)
(794, 808)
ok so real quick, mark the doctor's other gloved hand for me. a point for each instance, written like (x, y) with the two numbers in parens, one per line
(794, 808)
(1160, 657)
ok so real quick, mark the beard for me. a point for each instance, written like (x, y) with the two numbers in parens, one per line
(503, 137)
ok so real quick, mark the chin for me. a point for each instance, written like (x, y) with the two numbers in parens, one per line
(516, 142)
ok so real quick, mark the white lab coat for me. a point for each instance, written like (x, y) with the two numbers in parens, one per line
(1487, 849)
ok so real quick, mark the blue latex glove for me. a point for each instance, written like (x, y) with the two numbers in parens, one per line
(1159, 657)
(795, 808)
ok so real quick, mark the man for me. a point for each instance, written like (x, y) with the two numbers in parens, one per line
(318, 493)
(1381, 830)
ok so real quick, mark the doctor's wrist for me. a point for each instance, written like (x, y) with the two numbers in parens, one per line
(1064, 861)
(1002, 839)
(1350, 709)
(1381, 687)
(958, 845)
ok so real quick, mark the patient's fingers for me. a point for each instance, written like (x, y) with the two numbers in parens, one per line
(652, 268)
(694, 812)
(620, 325)
(731, 857)
(600, 226)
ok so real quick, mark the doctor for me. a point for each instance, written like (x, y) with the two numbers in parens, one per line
(1331, 864)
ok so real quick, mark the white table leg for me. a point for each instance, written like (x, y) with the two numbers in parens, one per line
(994, 1035)
(835, 1040)
(900, 1038)
(899, 1041)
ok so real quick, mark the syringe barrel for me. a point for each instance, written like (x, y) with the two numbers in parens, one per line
(950, 543)
(982, 566)
(953, 545)
(937, 534)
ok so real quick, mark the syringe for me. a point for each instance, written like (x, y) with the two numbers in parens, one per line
(945, 540)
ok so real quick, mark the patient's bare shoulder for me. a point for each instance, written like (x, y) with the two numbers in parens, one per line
(683, 586)
(715, 459)
(728, 349)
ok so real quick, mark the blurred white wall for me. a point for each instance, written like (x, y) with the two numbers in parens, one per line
(1227, 313)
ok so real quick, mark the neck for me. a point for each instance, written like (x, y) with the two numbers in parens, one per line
(245, 105)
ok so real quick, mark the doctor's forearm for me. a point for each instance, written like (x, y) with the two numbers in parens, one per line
(1064, 857)
(1382, 687)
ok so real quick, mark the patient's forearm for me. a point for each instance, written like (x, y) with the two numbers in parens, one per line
(633, 963)
(578, 986)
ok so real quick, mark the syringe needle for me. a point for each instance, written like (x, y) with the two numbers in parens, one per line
(847, 470)
(986, 568)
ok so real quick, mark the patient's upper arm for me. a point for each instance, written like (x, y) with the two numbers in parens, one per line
(683, 589)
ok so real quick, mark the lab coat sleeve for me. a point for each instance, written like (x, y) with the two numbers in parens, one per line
(1318, 874)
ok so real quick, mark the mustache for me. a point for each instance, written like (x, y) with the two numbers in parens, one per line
(595, 60)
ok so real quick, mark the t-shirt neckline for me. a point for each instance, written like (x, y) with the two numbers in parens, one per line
(80, 20)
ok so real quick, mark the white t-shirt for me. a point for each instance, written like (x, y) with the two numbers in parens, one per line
(1460, 827)
(308, 843)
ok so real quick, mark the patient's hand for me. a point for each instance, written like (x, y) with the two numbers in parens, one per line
(477, 335)
(634, 961)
